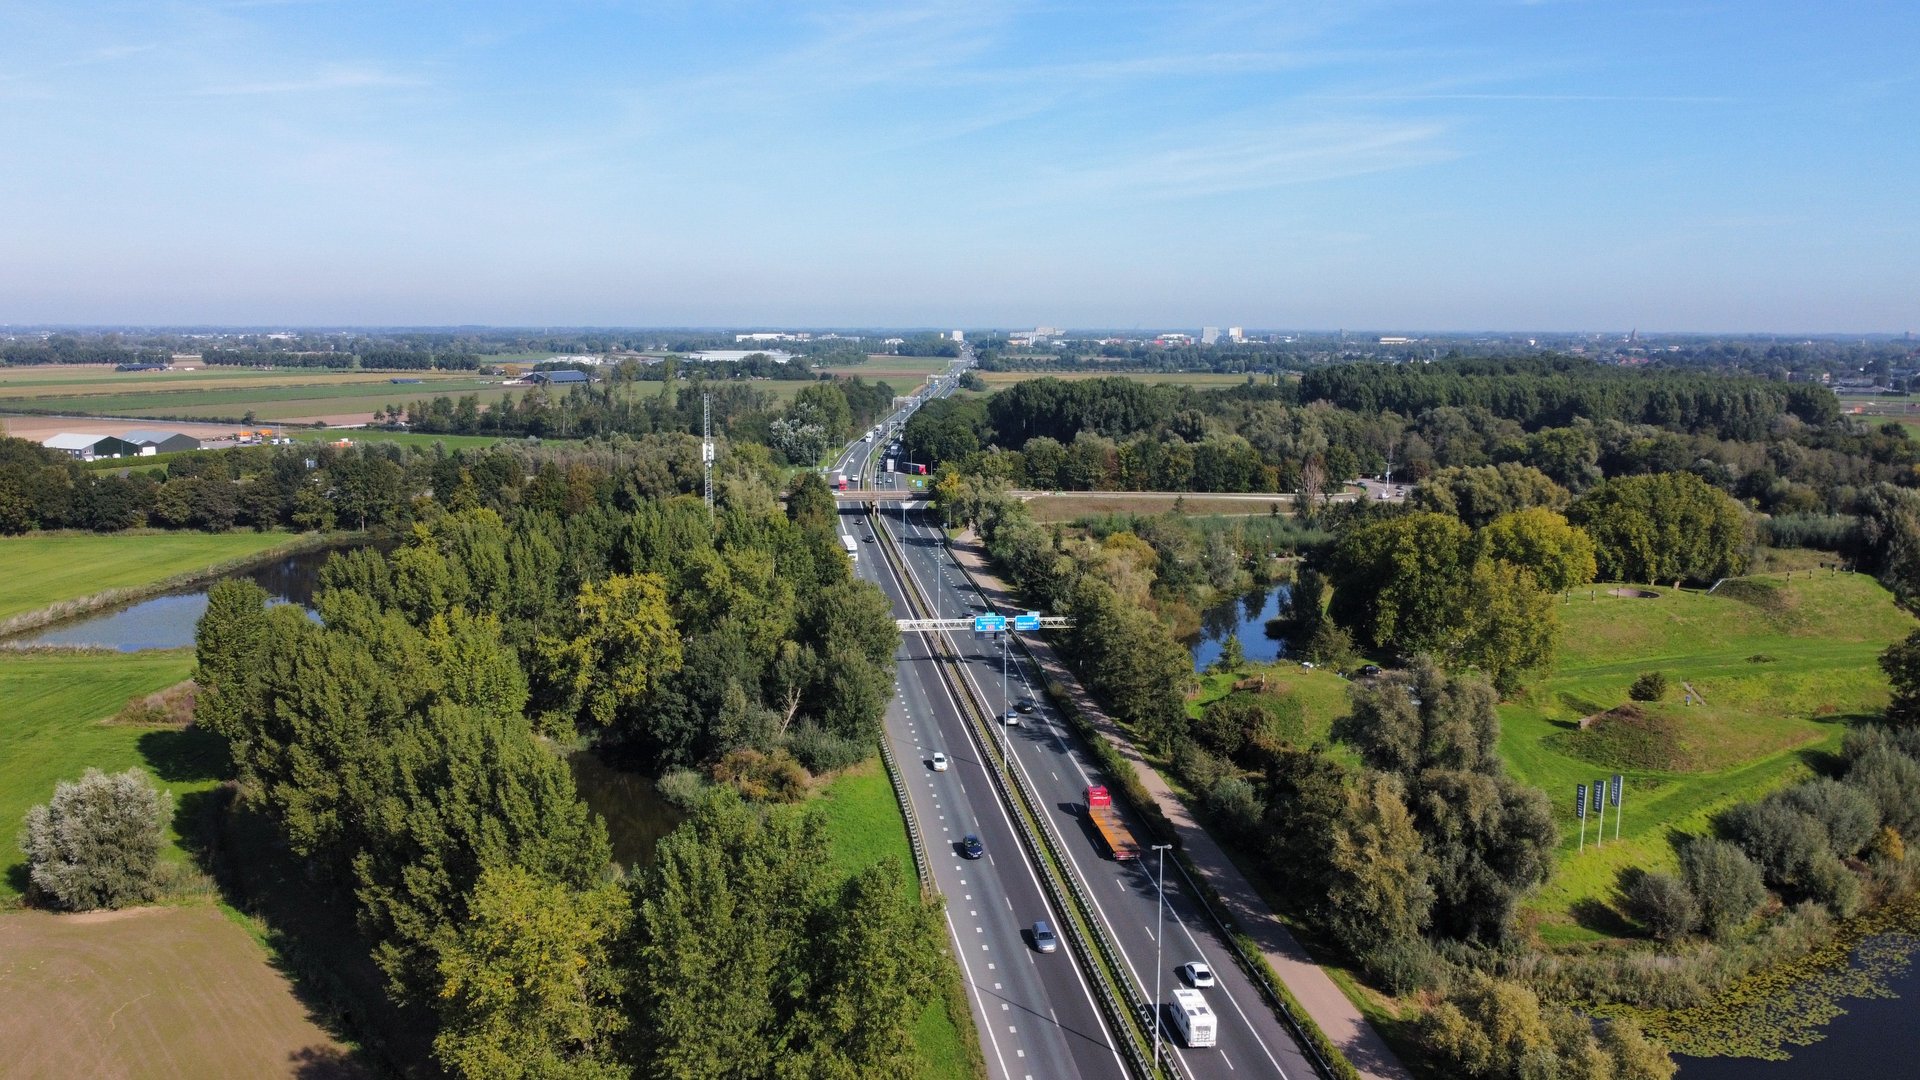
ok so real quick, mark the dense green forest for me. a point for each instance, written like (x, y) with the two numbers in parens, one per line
(404, 749)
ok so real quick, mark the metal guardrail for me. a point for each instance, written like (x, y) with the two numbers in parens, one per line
(1125, 1010)
(921, 865)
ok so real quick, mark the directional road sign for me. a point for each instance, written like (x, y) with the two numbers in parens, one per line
(1029, 621)
(989, 624)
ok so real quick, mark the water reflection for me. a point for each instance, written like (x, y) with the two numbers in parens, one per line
(637, 817)
(1246, 616)
(167, 621)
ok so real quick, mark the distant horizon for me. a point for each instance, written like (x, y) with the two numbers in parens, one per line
(871, 329)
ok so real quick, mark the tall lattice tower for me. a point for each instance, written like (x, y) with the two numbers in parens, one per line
(706, 444)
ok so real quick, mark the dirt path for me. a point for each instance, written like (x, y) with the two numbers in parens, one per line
(1317, 994)
(152, 992)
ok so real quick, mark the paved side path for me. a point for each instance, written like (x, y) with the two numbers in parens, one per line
(1317, 994)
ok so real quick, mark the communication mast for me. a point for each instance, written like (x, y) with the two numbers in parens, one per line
(706, 445)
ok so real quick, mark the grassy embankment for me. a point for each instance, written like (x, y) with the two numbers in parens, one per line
(1782, 666)
(55, 725)
(864, 822)
(44, 569)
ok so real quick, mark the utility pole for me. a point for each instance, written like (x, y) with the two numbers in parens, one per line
(1159, 931)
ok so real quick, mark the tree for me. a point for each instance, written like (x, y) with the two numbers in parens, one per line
(627, 643)
(1232, 657)
(1849, 817)
(1407, 722)
(528, 984)
(1490, 840)
(229, 641)
(1649, 686)
(1724, 882)
(1559, 554)
(1478, 494)
(1901, 662)
(96, 843)
(1396, 582)
(448, 797)
(1377, 887)
(1663, 904)
(1663, 527)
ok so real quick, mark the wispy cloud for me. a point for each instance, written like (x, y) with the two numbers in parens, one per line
(334, 80)
(1255, 158)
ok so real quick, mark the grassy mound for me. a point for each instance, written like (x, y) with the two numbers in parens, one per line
(1627, 738)
(1780, 666)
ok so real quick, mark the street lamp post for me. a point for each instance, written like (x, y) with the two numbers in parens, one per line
(1159, 928)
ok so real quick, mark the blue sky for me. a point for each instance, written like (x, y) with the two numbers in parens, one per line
(1447, 165)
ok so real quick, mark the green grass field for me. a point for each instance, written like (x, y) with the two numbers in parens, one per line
(863, 820)
(268, 402)
(1781, 668)
(51, 729)
(42, 569)
(1321, 693)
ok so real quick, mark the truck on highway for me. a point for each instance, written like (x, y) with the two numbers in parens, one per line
(1106, 821)
(1198, 1026)
(839, 481)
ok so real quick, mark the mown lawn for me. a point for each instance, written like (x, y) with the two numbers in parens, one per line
(405, 438)
(38, 570)
(864, 822)
(53, 708)
(1781, 667)
(1321, 693)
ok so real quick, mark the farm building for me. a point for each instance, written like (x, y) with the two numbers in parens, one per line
(564, 377)
(89, 447)
(161, 442)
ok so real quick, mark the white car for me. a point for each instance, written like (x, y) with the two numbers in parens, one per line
(1012, 718)
(1197, 974)
(939, 761)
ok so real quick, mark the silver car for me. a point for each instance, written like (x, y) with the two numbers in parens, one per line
(1043, 939)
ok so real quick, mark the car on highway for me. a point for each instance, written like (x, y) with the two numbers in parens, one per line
(939, 761)
(1012, 718)
(1025, 704)
(1197, 974)
(1043, 939)
(971, 847)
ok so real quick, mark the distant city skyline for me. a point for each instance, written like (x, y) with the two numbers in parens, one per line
(1714, 168)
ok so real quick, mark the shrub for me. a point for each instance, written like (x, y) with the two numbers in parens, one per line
(1785, 842)
(1225, 726)
(774, 777)
(1650, 686)
(1402, 966)
(1233, 800)
(822, 751)
(685, 789)
(1834, 886)
(1725, 884)
(1892, 780)
(1663, 904)
(1848, 814)
(96, 843)
(1330, 646)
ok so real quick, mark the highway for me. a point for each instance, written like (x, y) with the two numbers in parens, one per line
(1036, 1016)
(1253, 1041)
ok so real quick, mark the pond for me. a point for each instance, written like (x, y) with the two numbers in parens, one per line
(637, 817)
(1246, 616)
(1876, 1039)
(167, 621)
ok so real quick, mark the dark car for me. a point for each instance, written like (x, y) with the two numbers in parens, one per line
(1368, 671)
(971, 847)
(1025, 704)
